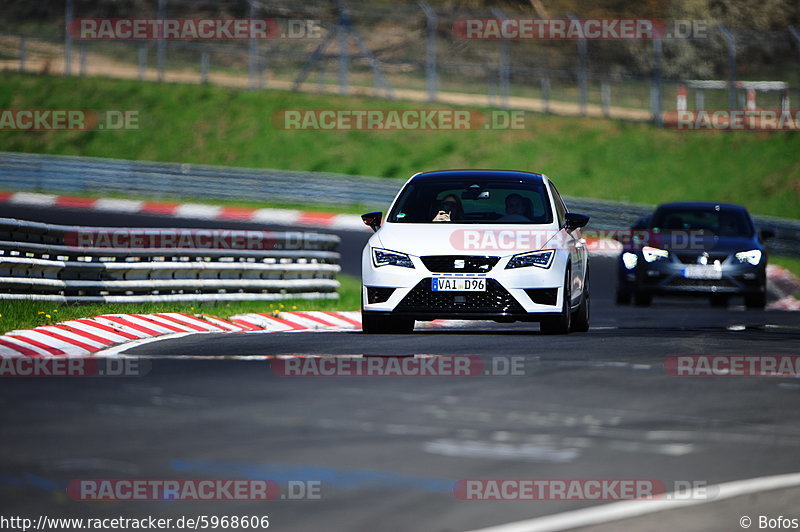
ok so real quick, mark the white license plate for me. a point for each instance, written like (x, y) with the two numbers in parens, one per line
(700, 271)
(458, 284)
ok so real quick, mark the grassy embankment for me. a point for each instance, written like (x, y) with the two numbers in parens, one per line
(212, 125)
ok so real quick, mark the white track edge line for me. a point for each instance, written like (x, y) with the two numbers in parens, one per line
(617, 511)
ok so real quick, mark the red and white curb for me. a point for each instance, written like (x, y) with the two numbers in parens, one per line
(89, 336)
(200, 211)
(786, 285)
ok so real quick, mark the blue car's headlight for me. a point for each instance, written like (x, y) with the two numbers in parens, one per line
(384, 257)
(540, 259)
(629, 260)
(654, 254)
(752, 257)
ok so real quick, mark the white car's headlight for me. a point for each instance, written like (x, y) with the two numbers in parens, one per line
(540, 259)
(629, 260)
(753, 256)
(384, 257)
(654, 254)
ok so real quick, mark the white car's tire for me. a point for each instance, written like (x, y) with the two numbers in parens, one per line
(560, 324)
(580, 318)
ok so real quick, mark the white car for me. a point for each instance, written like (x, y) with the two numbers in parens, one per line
(476, 244)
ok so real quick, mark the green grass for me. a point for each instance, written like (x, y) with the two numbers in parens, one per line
(586, 157)
(28, 314)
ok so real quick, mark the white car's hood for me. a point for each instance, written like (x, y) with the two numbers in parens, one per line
(466, 239)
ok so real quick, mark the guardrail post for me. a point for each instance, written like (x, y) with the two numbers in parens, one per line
(67, 38)
(730, 39)
(430, 51)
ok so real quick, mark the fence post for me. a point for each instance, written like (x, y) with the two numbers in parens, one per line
(730, 39)
(430, 51)
(162, 44)
(142, 61)
(22, 52)
(67, 38)
(505, 66)
(252, 60)
(605, 97)
(681, 100)
(204, 62)
(583, 75)
(344, 58)
(82, 51)
(655, 92)
(795, 35)
(546, 94)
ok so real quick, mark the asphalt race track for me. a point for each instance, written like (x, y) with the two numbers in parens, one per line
(387, 451)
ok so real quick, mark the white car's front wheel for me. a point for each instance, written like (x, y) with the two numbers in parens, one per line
(580, 319)
(560, 324)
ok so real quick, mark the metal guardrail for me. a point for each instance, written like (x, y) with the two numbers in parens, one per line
(78, 175)
(122, 265)
(88, 175)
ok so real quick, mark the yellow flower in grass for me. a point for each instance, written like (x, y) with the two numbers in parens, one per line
(41, 312)
(47, 316)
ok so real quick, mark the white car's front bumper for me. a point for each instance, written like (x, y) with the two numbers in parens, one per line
(528, 293)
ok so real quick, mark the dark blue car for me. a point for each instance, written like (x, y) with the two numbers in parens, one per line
(700, 249)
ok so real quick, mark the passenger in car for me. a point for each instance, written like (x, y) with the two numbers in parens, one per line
(518, 209)
(449, 210)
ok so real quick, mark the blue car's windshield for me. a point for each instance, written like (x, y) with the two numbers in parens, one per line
(472, 200)
(724, 222)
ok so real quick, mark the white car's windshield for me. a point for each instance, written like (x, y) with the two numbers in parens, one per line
(473, 201)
